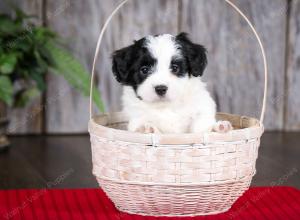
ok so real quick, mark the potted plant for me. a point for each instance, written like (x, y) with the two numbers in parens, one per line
(27, 53)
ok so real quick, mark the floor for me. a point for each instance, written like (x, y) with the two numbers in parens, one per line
(65, 162)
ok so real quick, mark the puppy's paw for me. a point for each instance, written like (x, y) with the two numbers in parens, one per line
(223, 127)
(148, 129)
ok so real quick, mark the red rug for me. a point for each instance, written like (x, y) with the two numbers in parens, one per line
(92, 204)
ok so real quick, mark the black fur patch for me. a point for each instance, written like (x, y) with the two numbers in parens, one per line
(194, 54)
(128, 61)
(182, 65)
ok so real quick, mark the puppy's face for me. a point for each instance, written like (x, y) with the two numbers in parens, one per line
(159, 67)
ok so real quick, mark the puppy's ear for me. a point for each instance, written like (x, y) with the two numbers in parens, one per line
(121, 63)
(194, 53)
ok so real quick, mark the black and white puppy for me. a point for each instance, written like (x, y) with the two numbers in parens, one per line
(163, 91)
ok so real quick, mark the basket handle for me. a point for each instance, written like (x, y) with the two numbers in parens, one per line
(232, 5)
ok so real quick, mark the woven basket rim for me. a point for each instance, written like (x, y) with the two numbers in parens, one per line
(251, 129)
(176, 184)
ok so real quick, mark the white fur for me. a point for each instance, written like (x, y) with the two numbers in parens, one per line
(187, 106)
(163, 48)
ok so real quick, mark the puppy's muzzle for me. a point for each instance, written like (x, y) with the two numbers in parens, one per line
(161, 90)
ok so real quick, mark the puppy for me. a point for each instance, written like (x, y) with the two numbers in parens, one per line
(162, 87)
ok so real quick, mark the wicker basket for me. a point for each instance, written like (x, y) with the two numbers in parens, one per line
(174, 175)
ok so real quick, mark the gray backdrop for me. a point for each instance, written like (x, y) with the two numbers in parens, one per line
(234, 74)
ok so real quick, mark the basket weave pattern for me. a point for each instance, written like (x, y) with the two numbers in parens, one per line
(162, 180)
(205, 164)
(161, 200)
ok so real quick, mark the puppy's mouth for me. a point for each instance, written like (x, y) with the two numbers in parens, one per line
(157, 99)
(162, 99)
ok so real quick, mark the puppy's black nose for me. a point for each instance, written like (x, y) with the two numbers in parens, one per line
(161, 90)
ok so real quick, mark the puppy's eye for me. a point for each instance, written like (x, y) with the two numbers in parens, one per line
(145, 70)
(175, 68)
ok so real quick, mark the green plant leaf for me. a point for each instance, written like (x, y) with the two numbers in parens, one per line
(42, 34)
(38, 77)
(22, 44)
(8, 26)
(25, 95)
(7, 63)
(40, 61)
(6, 90)
(1, 46)
(27, 52)
(71, 69)
(46, 55)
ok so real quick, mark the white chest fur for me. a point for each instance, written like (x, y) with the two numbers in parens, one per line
(194, 111)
